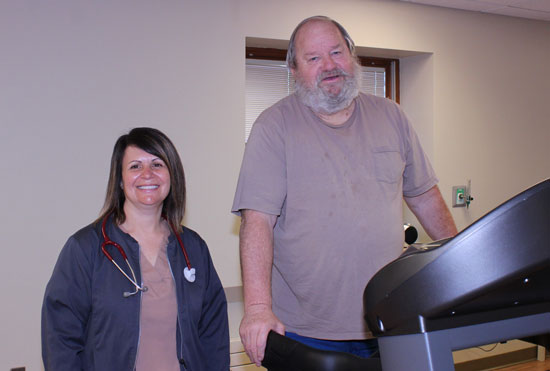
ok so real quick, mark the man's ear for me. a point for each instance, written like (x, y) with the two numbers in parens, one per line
(293, 72)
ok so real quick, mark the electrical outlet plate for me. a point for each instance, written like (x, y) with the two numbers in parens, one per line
(459, 196)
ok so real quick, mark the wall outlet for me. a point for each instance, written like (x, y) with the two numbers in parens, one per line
(459, 196)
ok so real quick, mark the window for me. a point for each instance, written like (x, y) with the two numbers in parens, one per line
(268, 80)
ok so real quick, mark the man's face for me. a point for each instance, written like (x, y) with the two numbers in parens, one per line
(325, 70)
(322, 57)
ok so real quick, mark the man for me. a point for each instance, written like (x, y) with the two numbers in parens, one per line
(320, 194)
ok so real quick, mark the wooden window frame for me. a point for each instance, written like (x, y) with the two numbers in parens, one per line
(386, 63)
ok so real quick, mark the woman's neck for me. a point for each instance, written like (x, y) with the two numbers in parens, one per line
(140, 221)
(148, 229)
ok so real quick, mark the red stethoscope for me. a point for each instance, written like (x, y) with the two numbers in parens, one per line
(188, 272)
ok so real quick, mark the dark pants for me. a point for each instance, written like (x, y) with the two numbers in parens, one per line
(362, 348)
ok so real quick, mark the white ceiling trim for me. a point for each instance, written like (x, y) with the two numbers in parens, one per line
(531, 9)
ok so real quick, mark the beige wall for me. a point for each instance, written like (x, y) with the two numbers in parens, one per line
(75, 75)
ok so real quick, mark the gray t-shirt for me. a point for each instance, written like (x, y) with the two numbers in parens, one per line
(337, 191)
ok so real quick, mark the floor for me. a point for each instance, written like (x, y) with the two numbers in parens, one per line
(529, 366)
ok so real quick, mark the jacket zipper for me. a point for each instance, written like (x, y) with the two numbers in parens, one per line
(140, 300)
(180, 355)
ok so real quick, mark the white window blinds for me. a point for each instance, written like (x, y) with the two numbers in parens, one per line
(373, 80)
(269, 81)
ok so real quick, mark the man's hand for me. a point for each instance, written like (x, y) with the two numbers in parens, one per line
(258, 320)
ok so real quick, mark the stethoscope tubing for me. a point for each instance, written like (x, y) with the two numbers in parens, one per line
(189, 272)
(187, 262)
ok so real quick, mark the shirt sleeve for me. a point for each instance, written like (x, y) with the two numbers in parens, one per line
(66, 308)
(213, 326)
(262, 179)
(418, 175)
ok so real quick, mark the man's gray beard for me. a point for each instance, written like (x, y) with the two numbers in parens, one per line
(325, 103)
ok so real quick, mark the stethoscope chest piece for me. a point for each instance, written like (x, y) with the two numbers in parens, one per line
(189, 274)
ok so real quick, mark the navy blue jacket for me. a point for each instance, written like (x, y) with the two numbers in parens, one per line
(87, 324)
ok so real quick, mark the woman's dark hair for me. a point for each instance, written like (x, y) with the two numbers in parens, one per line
(155, 142)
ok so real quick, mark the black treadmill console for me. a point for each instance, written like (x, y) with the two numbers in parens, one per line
(497, 268)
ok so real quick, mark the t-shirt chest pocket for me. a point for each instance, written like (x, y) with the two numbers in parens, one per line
(388, 164)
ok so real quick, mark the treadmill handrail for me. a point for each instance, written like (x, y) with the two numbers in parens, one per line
(285, 354)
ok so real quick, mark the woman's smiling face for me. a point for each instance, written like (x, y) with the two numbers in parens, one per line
(145, 178)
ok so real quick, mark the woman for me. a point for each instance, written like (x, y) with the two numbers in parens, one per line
(164, 308)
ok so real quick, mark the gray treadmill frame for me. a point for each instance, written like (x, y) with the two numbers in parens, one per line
(432, 350)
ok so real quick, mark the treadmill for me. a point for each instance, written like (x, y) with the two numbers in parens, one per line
(489, 283)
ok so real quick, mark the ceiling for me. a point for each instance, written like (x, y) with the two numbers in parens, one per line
(532, 9)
